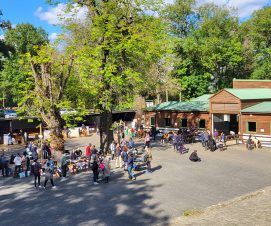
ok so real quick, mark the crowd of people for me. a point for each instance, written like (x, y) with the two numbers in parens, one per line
(122, 151)
(40, 162)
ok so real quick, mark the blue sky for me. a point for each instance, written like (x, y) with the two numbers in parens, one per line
(39, 13)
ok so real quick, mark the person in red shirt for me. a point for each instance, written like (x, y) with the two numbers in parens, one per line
(88, 154)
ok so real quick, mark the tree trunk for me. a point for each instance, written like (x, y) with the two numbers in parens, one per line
(56, 136)
(106, 131)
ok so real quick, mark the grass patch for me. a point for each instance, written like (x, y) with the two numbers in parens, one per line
(192, 212)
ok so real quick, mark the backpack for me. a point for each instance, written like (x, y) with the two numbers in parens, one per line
(35, 167)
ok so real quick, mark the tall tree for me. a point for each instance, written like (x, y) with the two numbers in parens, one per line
(24, 37)
(51, 72)
(258, 34)
(211, 52)
(114, 49)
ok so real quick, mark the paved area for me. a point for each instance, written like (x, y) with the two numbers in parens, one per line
(250, 209)
(153, 199)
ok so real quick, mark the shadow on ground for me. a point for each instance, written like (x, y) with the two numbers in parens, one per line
(79, 202)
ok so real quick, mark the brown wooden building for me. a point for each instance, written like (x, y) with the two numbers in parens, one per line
(244, 109)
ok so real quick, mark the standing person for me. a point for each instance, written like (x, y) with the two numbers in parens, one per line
(18, 163)
(133, 132)
(216, 135)
(118, 136)
(51, 163)
(4, 163)
(147, 140)
(175, 141)
(153, 132)
(36, 167)
(34, 152)
(112, 149)
(149, 159)
(126, 132)
(88, 154)
(124, 156)
(131, 143)
(63, 166)
(130, 164)
(10, 139)
(118, 156)
(106, 169)
(27, 163)
(48, 175)
(95, 170)
(94, 152)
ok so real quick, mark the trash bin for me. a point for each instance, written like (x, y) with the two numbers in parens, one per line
(5, 139)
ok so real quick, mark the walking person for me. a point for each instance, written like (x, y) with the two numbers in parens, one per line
(88, 154)
(149, 159)
(95, 170)
(48, 175)
(4, 165)
(112, 149)
(63, 166)
(118, 156)
(36, 167)
(147, 140)
(130, 164)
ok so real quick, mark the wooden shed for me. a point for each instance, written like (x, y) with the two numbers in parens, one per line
(227, 104)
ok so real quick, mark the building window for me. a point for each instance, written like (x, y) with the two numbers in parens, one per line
(184, 123)
(167, 122)
(152, 121)
(251, 126)
(202, 123)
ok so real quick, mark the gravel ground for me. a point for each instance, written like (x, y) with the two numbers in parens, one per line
(153, 199)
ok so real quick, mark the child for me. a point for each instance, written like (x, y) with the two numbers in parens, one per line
(95, 170)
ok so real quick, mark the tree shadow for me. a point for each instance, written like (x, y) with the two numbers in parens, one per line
(79, 202)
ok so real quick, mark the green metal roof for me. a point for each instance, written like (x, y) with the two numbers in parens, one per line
(181, 106)
(251, 80)
(251, 93)
(264, 107)
(204, 97)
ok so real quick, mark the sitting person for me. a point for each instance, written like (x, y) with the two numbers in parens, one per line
(194, 157)
(256, 142)
(250, 143)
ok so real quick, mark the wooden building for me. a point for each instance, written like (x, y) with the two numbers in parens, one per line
(244, 109)
(227, 104)
(175, 115)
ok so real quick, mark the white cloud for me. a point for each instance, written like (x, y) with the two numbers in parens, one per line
(2, 37)
(245, 7)
(59, 14)
(53, 36)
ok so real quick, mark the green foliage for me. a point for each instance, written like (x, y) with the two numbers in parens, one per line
(211, 51)
(14, 81)
(258, 31)
(24, 37)
(114, 50)
(194, 86)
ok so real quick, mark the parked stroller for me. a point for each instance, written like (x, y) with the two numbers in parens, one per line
(211, 144)
(181, 148)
